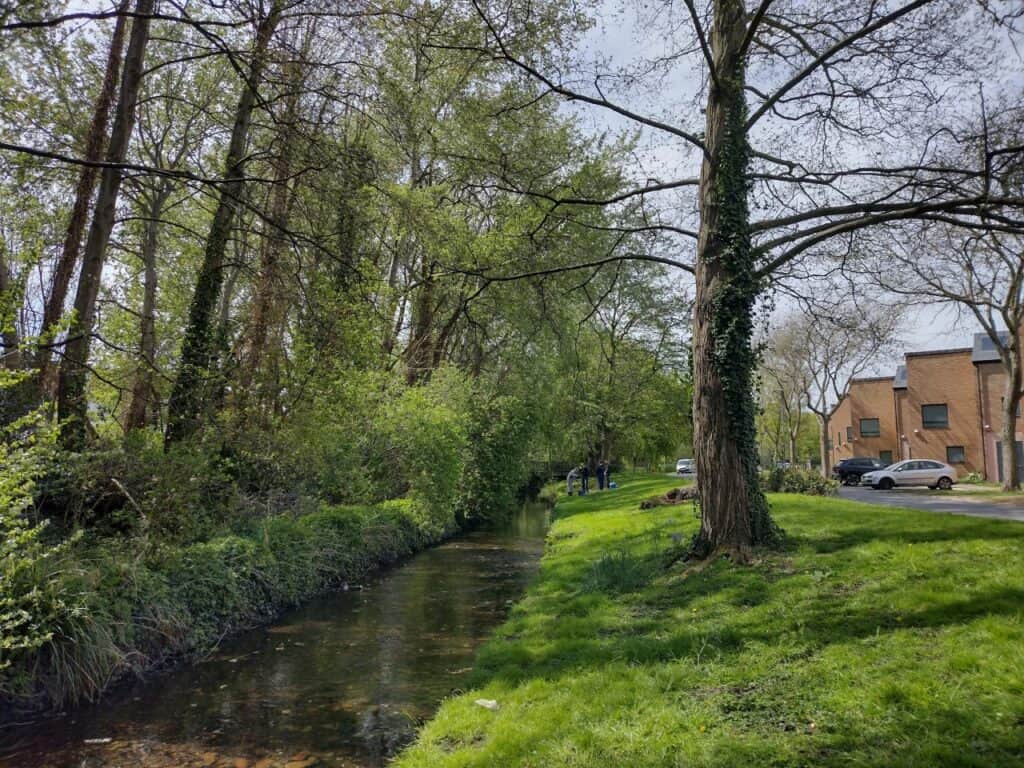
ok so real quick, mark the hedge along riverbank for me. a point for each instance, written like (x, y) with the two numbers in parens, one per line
(137, 609)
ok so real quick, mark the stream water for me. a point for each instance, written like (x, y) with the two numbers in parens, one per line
(341, 681)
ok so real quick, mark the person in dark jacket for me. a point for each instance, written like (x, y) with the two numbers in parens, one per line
(602, 471)
(584, 480)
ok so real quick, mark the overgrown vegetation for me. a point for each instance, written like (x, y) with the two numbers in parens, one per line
(880, 637)
(798, 480)
(121, 558)
(125, 611)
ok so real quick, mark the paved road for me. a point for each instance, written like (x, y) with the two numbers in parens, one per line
(1003, 509)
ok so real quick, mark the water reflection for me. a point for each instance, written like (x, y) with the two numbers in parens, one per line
(342, 681)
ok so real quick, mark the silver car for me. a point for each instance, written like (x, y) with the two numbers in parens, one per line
(685, 467)
(927, 472)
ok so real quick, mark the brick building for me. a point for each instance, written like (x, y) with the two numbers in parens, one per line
(942, 405)
(864, 422)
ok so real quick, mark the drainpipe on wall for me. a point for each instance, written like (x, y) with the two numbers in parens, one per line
(899, 426)
(981, 424)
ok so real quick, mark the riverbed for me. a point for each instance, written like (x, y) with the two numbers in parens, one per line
(342, 681)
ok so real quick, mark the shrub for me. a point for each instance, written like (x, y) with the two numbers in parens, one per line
(798, 480)
(32, 597)
(497, 465)
(419, 446)
(183, 495)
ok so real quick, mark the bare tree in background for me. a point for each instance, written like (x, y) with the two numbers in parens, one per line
(829, 351)
(976, 267)
(982, 274)
(785, 382)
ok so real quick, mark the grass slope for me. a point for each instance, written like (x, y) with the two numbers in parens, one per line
(881, 637)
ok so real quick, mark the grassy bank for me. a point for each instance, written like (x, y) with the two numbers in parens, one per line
(123, 607)
(880, 637)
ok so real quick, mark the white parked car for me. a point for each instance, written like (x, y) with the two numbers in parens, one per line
(929, 472)
(685, 467)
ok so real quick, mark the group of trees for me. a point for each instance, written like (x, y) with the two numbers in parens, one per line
(216, 213)
(219, 217)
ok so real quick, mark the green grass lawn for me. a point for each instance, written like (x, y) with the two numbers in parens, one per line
(880, 637)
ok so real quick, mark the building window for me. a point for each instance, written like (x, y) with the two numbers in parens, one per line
(885, 456)
(955, 454)
(935, 416)
(849, 434)
(870, 428)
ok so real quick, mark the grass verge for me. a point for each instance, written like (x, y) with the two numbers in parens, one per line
(880, 637)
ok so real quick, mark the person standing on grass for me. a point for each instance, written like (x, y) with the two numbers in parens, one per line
(570, 480)
(602, 469)
(607, 474)
(584, 480)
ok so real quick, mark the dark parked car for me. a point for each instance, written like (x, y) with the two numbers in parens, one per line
(849, 471)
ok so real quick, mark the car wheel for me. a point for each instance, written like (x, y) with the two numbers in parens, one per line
(885, 484)
(945, 484)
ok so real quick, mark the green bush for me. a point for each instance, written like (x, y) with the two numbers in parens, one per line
(183, 495)
(32, 597)
(497, 466)
(798, 480)
(419, 446)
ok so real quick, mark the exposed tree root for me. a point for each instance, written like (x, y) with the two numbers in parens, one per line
(675, 496)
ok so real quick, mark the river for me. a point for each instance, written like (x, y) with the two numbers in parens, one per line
(341, 681)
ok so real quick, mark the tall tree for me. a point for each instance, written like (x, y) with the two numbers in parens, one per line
(189, 396)
(71, 399)
(785, 384)
(95, 142)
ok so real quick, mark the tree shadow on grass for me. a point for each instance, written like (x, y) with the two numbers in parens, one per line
(864, 535)
(564, 632)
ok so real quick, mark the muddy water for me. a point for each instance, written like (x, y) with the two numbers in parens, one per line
(341, 681)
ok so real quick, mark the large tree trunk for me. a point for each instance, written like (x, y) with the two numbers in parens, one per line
(189, 395)
(143, 393)
(420, 352)
(71, 398)
(734, 512)
(68, 260)
(824, 424)
(1011, 404)
(267, 302)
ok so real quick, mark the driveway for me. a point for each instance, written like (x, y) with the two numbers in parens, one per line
(951, 503)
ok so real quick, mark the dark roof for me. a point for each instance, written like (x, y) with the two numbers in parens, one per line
(870, 379)
(900, 379)
(936, 352)
(985, 349)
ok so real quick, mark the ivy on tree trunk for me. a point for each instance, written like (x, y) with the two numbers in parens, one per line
(734, 511)
(190, 393)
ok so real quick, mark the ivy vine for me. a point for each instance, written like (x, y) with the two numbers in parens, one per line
(735, 300)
